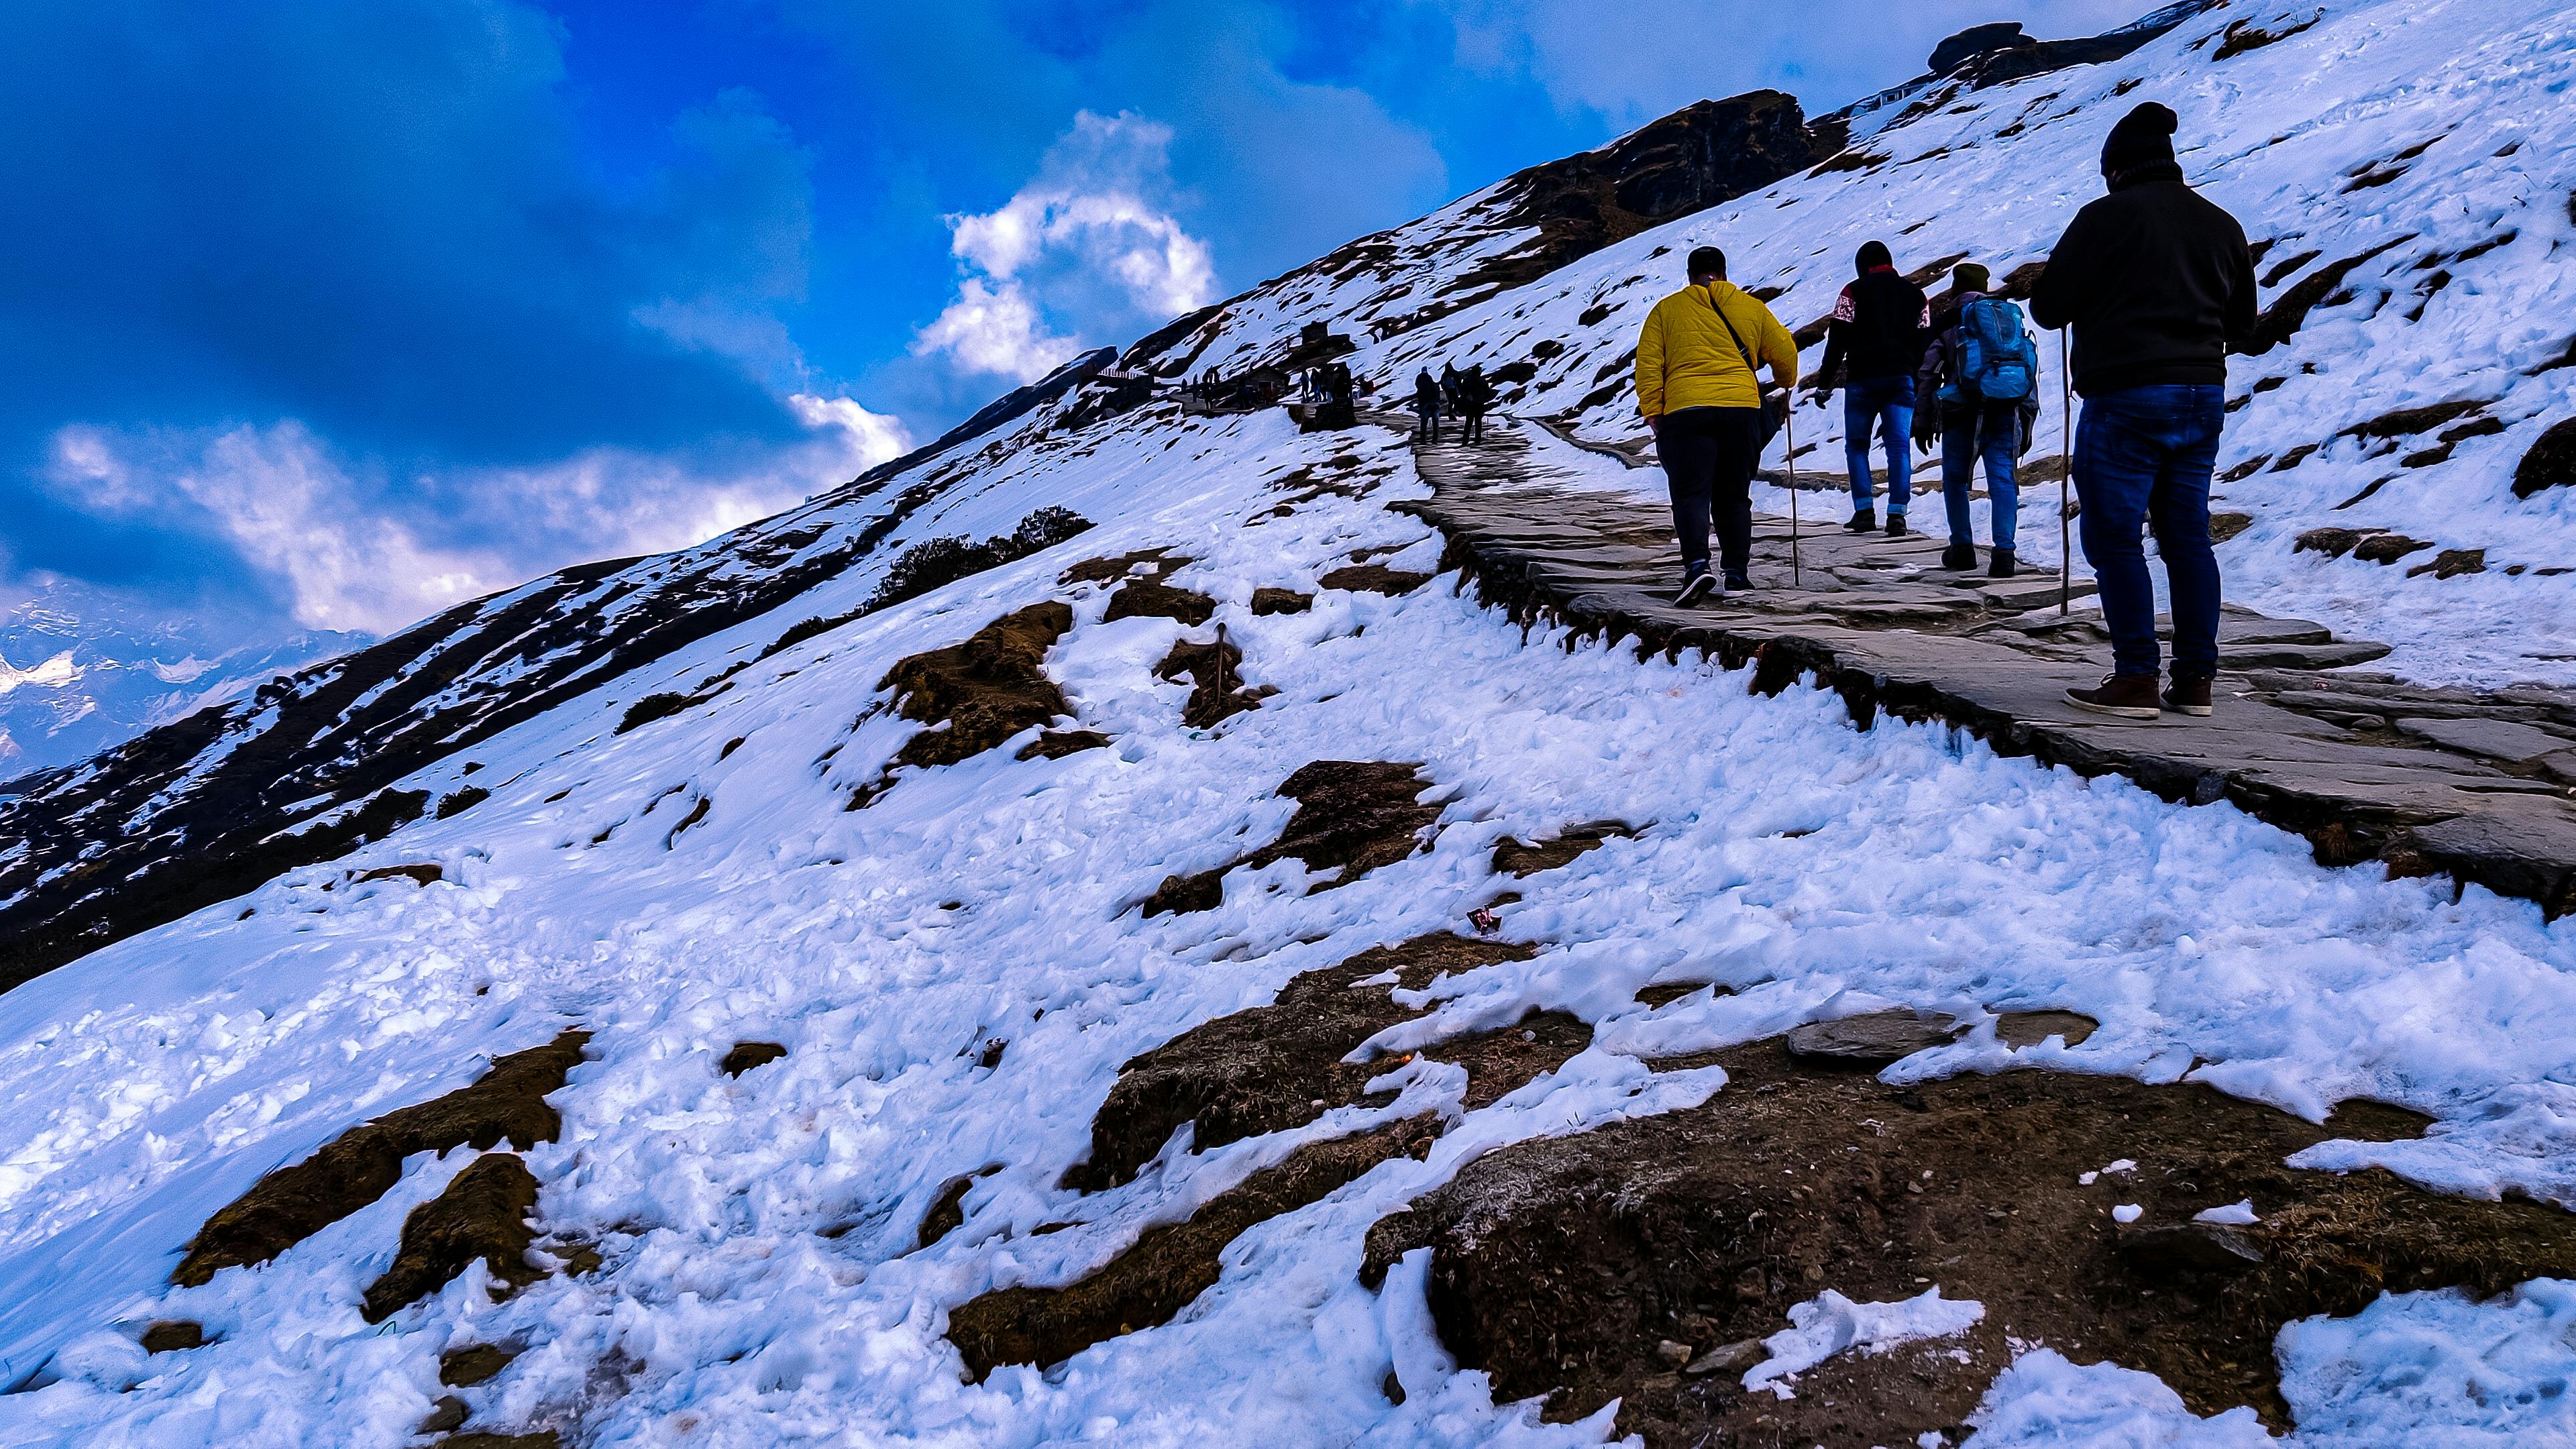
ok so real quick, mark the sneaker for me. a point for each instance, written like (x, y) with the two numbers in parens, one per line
(2130, 696)
(1695, 588)
(1896, 525)
(2188, 696)
(1960, 557)
(1737, 579)
(2000, 564)
(1864, 521)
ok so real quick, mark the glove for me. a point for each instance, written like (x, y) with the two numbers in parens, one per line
(1824, 397)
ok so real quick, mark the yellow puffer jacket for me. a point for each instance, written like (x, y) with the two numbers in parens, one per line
(1685, 359)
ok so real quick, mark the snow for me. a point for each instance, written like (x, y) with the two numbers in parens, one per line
(158, 1078)
(1829, 1324)
(1812, 869)
(2125, 1164)
(2427, 1370)
(2235, 1214)
(2127, 1212)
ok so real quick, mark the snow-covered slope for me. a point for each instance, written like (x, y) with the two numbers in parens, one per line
(958, 969)
(2409, 167)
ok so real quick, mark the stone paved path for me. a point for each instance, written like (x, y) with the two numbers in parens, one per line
(2363, 765)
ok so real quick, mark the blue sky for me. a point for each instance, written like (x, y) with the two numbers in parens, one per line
(326, 315)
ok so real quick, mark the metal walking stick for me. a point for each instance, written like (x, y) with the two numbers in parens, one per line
(2065, 477)
(1789, 431)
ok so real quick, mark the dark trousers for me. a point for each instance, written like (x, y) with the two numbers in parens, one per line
(1708, 456)
(2143, 456)
(1992, 431)
(1473, 426)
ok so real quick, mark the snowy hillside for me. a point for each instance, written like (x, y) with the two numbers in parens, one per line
(1173, 982)
(2406, 168)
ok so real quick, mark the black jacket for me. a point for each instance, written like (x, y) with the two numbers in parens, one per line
(2157, 282)
(1878, 328)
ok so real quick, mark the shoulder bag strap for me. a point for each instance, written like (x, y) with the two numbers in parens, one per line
(1740, 349)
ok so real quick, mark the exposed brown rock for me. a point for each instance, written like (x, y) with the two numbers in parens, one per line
(2387, 548)
(1353, 814)
(1563, 1265)
(1280, 601)
(359, 1166)
(747, 1055)
(1153, 1281)
(985, 690)
(1373, 579)
(427, 873)
(1215, 668)
(1150, 598)
(2450, 563)
(173, 1335)
(1056, 744)
(1270, 1068)
(2551, 463)
(482, 1214)
(462, 1368)
(1513, 858)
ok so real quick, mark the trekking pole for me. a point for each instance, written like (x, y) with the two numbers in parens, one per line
(2065, 477)
(1789, 431)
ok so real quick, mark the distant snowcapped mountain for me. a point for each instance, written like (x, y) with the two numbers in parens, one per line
(81, 672)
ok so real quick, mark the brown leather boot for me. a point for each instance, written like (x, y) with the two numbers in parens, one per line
(2188, 696)
(2130, 696)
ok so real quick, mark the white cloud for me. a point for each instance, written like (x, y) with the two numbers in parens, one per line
(347, 551)
(1089, 239)
(995, 328)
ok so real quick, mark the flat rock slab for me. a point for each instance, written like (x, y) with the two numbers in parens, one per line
(1876, 1039)
(2497, 739)
(2030, 1028)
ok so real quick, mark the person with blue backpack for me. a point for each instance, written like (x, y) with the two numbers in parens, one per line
(1876, 335)
(1980, 384)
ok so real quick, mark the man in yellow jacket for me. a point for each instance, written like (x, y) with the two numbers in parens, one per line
(1697, 389)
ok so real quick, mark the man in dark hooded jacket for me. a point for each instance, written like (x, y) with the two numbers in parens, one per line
(1877, 334)
(2157, 283)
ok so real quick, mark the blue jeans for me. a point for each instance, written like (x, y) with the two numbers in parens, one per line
(1887, 402)
(2144, 456)
(1995, 432)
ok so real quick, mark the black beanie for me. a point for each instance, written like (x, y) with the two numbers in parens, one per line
(2143, 137)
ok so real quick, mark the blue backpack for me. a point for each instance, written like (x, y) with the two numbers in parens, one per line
(1997, 360)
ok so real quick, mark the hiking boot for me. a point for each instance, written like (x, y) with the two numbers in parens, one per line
(1695, 588)
(2130, 696)
(1896, 525)
(2188, 696)
(1960, 557)
(2000, 565)
(1863, 521)
(1738, 579)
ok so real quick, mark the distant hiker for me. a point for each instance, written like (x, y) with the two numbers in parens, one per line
(1449, 388)
(1877, 331)
(1426, 405)
(1696, 387)
(1475, 394)
(1980, 396)
(2157, 283)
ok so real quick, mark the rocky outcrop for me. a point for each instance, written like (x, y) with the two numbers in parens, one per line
(1704, 154)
